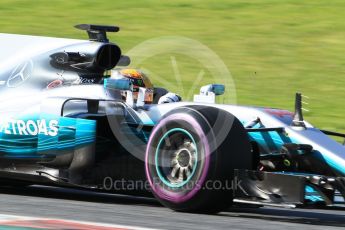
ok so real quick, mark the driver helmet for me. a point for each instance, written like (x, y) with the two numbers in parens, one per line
(138, 79)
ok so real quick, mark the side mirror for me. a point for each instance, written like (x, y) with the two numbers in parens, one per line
(208, 93)
(118, 84)
(217, 89)
(121, 84)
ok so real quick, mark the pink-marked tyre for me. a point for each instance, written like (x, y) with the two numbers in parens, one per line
(191, 156)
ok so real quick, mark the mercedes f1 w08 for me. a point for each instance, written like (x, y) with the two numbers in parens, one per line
(64, 121)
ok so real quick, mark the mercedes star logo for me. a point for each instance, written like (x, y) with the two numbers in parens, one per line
(20, 74)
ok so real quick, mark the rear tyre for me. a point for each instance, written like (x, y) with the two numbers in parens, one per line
(191, 156)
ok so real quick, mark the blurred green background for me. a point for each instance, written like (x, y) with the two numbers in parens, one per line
(273, 48)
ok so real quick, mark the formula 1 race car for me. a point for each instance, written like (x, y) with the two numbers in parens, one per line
(64, 122)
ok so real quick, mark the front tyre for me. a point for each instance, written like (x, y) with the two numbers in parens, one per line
(191, 156)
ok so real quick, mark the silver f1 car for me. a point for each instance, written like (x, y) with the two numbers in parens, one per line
(64, 122)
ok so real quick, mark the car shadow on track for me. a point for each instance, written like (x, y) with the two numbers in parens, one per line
(300, 216)
(78, 195)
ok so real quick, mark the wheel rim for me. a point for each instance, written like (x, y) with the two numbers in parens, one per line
(176, 158)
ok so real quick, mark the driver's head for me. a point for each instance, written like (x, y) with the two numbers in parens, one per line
(138, 79)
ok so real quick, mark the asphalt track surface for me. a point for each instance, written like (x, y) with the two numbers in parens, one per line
(49, 202)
